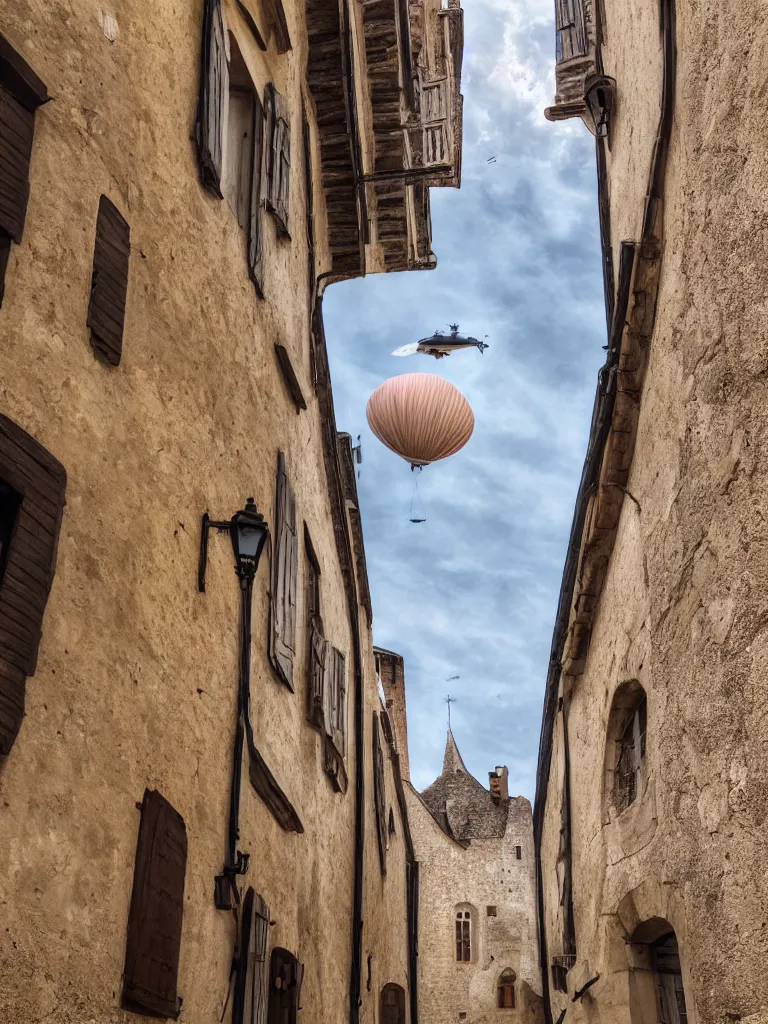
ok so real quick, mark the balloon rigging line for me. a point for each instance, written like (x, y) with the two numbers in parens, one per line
(414, 495)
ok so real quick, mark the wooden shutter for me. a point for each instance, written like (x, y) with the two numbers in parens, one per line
(214, 94)
(157, 905)
(318, 656)
(255, 227)
(379, 795)
(285, 568)
(249, 1003)
(571, 29)
(285, 976)
(34, 499)
(309, 201)
(109, 282)
(339, 716)
(21, 93)
(278, 198)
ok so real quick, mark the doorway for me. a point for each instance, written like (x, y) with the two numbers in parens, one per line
(669, 980)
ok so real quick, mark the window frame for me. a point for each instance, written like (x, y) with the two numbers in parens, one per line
(464, 934)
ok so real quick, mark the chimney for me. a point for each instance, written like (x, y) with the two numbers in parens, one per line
(391, 672)
(499, 783)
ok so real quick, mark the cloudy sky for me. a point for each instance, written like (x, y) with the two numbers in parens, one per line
(473, 591)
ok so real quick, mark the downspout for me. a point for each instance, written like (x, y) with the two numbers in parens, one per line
(649, 249)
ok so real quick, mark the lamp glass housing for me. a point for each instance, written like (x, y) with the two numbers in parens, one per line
(249, 533)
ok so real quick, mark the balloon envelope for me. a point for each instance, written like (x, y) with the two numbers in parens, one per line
(420, 416)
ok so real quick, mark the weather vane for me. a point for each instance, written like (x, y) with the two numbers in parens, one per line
(450, 700)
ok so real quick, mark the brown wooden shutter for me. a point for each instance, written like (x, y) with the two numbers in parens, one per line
(157, 905)
(278, 198)
(255, 227)
(309, 202)
(379, 795)
(249, 1001)
(318, 656)
(109, 282)
(21, 93)
(214, 95)
(34, 500)
(339, 719)
(571, 29)
(285, 569)
(285, 975)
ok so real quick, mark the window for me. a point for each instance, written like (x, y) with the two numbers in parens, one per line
(463, 936)
(505, 990)
(316, 642)
(21, 93)
(518, 853)
(491, 911)
(282, 624)
(230, 134)
(628, 723)
(239, 142)
(392, 1005)
(157, 906)
(392, 830)
(109, 282)
(285, 977)
(32, 488)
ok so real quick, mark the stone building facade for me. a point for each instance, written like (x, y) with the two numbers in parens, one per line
(477, 939)
(650, 803)
(178, 185)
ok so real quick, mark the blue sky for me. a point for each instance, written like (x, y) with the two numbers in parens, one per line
(473, 591)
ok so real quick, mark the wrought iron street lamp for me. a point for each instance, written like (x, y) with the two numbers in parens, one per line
(248, 533)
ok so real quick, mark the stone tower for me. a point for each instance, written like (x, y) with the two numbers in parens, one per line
(477, 910)
(477, 925)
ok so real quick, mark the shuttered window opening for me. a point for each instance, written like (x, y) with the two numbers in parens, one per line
(21, 93)
(571, 29)
(282, 626)
(279, 176)
(336, 718)
(109, 282)
(32, 490)
(285, 978)
(316, 642)
(379, 794)
(249, 1003)
(214, 91)
(155, 917)
(435, 144)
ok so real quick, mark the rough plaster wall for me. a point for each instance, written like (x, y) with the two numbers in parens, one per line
(136, 679)
(486, 873)
(683, 610)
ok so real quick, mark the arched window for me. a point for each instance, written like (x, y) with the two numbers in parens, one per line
(505, 990)
(464, 934)
(625, 753)
(392, 1004)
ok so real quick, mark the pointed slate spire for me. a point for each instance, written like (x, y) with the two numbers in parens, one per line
(452, 761)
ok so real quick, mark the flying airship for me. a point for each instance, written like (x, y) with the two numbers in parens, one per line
(440, 344)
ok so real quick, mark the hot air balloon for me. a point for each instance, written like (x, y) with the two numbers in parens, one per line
(420, 416)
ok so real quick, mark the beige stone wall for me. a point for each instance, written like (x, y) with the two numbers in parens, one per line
(683, 609)
(485, 874)
(136, 680)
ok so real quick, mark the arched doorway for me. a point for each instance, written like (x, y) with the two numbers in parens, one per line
(392, 1005)
(665, 957)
